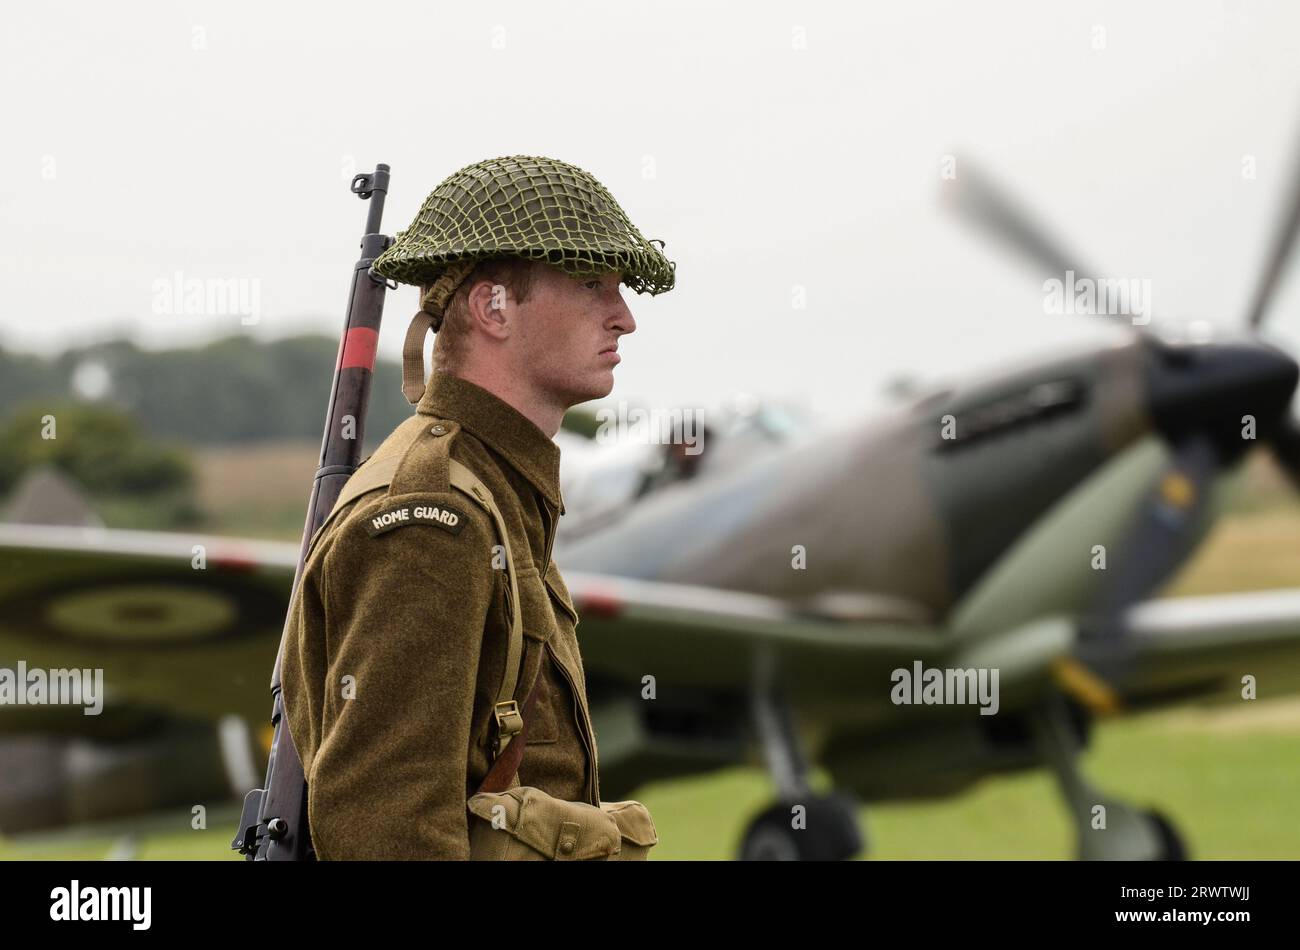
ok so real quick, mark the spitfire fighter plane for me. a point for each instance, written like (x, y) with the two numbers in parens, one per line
(1014, 523)
(789, 592)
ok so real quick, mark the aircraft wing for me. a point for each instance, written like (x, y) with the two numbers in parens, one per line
(178, 622)
(713, 639)
(187, 624)
(709, 639)
(1209, 643)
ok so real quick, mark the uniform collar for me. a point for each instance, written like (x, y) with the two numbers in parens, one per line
(499, 425)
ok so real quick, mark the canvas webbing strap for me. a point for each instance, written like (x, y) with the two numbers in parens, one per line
(508, 717)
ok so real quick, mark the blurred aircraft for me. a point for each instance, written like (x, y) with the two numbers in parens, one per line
(772, 589)
(61, 767)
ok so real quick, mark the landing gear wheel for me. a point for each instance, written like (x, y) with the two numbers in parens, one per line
(1172, 845)
(830, 833)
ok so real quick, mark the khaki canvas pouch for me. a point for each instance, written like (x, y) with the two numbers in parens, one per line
(526, 824)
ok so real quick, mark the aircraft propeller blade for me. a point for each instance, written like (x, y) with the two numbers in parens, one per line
(975, 197)
(1275, 263)
(1286, 448)
(1161, 537)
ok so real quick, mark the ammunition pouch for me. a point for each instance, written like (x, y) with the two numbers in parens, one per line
(526, 824)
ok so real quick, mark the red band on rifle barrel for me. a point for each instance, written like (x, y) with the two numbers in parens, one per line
(359, 348)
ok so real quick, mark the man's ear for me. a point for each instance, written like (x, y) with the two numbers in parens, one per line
(489, 306)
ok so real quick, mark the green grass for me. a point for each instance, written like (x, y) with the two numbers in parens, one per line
(165, 836)
(1228, 781)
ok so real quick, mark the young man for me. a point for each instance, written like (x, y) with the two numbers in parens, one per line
(398, 665)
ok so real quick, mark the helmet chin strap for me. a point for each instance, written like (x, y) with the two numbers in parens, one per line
(429, 317)
(413, 379)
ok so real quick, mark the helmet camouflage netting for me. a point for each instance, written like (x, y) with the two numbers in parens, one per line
(530, 207)
(520, 206)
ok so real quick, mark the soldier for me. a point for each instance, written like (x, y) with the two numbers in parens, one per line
(404, 678)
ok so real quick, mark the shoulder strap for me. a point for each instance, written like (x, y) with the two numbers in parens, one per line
(380, 469)
(508, 718)
(368, 477)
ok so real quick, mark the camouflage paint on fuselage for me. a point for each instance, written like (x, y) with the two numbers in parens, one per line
(889, 507)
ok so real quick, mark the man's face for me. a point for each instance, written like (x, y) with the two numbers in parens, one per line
(568, 333)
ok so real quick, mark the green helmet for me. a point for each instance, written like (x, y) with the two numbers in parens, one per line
(530, 207)
(521, 206)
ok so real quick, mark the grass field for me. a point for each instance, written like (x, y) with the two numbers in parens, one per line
(271, 505)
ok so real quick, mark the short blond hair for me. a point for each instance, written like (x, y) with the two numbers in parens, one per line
(515, 274)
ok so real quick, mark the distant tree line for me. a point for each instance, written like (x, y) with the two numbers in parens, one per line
(236, 389)
(233, 390)
(101, 448)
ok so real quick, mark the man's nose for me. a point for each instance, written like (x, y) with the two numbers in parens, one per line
(623, 317)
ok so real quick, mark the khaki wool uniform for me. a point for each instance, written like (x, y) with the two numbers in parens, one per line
(397, 637)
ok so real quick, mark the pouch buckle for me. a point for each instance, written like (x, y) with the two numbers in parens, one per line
(509, 722)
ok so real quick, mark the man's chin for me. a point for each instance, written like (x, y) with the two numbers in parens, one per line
(598, 387)
(606, 385)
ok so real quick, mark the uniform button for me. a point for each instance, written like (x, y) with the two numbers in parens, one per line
(439, 429)
(566, 847)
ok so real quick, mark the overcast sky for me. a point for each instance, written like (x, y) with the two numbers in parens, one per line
(772, 146)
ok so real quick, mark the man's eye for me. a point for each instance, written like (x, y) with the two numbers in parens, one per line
(592, 284)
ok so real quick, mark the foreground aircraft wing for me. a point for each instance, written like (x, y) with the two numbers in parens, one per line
(187, 624)
(713, 639)
(701, 637)
(1208, 644)
(190, 624)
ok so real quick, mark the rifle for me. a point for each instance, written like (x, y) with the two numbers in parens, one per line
(273, 825)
